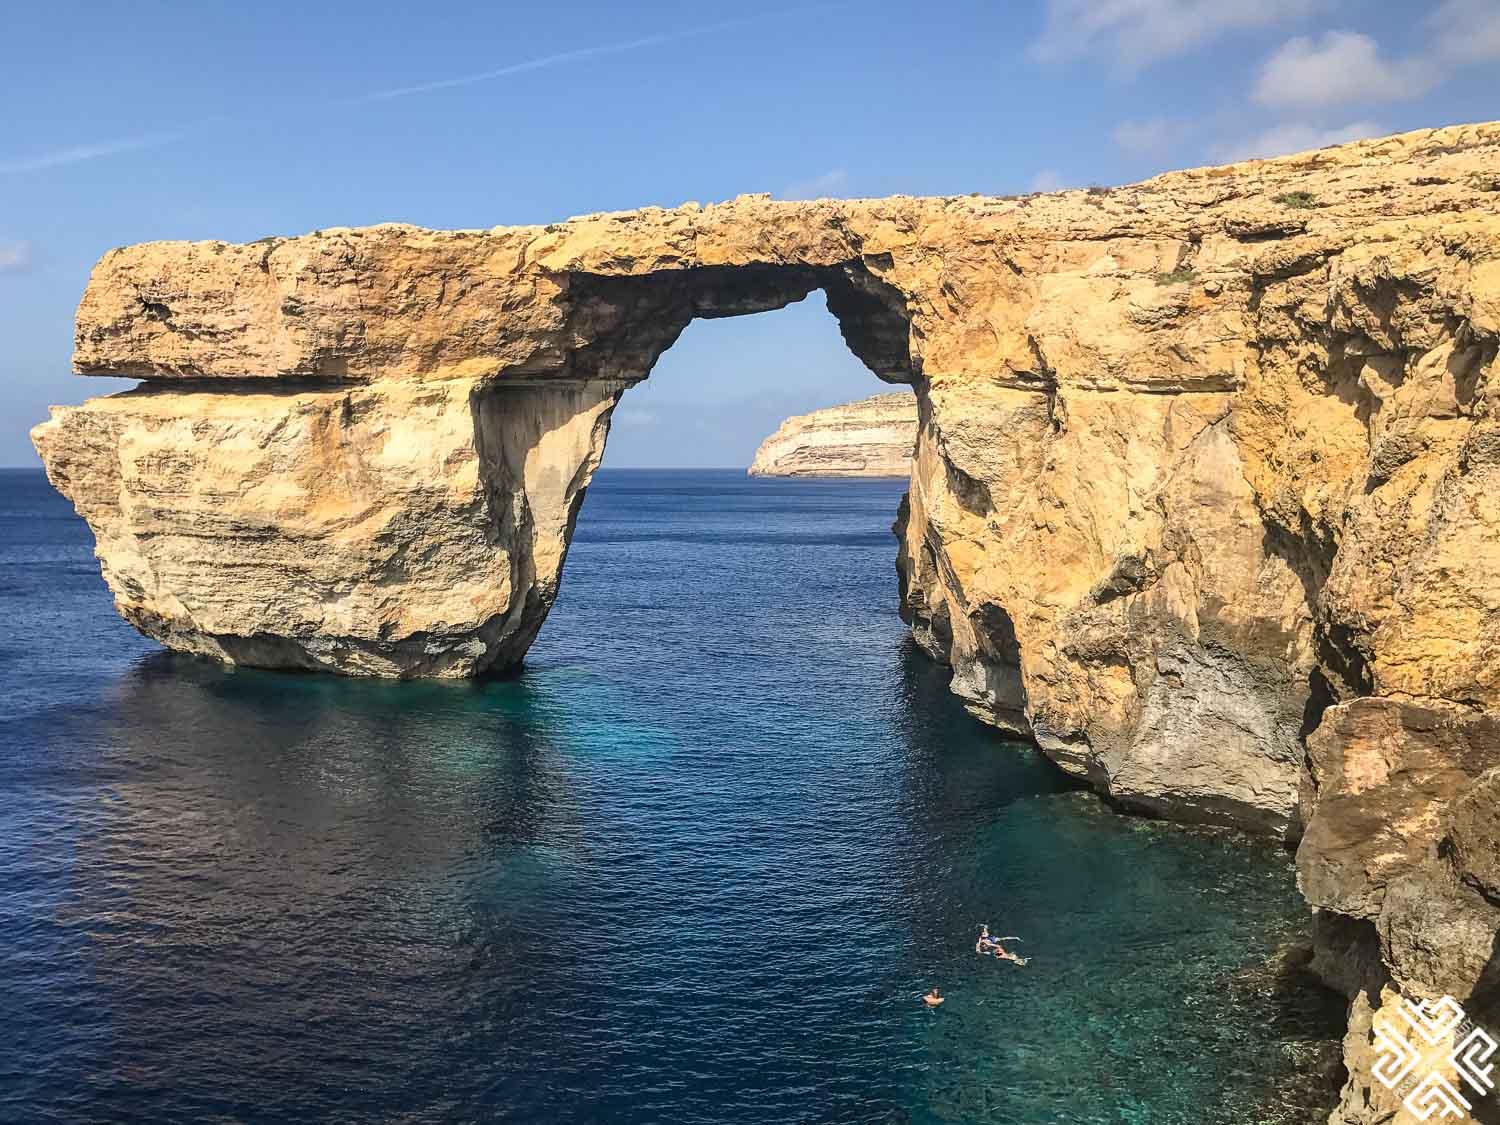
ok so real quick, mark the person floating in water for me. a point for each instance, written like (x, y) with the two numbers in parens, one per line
(933, 998)
(988, 945)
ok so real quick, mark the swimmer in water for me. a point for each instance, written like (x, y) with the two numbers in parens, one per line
(1003, 954)
(933, 998)
(994, 947)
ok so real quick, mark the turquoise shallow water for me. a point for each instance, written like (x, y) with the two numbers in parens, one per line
(696, 864)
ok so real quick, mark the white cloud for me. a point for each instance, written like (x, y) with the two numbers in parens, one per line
(1340, 67)
(15, 257)
(1279, 140)
(1048, 179)
(1135, 33)
(830, 183)
(1466, 32)
(1149, 137)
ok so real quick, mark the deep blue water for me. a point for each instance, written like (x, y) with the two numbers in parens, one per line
(696, 864)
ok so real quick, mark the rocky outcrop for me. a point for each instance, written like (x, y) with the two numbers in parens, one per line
(1204, 495)
(385, 529)
(869, 438)
(1402, 802)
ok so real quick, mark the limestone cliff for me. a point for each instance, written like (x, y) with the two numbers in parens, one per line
(1205, 495)
(869, 438)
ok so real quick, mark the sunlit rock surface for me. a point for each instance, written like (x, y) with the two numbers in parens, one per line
(872, 437)
(1206, 483)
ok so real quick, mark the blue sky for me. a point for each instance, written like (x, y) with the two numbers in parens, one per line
(153, 120)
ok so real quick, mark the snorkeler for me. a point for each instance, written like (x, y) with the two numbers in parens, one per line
(992, 946)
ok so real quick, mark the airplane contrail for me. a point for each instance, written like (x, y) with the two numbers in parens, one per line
(78, 153)
(544, 61)
(75, 153)
(514, 68)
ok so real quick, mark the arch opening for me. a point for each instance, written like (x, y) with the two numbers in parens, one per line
(624, 325)
(628, 322)
(728, 383)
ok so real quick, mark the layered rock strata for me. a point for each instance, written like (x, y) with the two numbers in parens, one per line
(872, 437)
(1204, 495)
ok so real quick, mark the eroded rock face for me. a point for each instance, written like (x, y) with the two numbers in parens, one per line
(385, 529)
(872, 437)
(1207, 478)
(1402, 803)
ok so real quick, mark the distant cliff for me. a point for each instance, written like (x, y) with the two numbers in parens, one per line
(869, 438)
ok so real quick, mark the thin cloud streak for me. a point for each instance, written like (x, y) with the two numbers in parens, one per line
(579, 53)
(519, 68)
(79, 153)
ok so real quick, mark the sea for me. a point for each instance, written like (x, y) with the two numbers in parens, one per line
(696, 863)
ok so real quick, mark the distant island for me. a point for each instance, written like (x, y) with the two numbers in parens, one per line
(872, 437)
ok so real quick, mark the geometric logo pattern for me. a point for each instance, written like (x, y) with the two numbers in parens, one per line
(1434, 1054)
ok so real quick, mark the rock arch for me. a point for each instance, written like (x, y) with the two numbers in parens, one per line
(1158, 428)
(385, 434)
(1204, 464)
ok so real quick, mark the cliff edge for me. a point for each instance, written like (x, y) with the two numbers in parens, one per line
(872, 437)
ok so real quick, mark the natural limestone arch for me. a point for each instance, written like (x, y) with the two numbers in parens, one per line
(1147, 416)
(1206, 494)
(410, 523)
